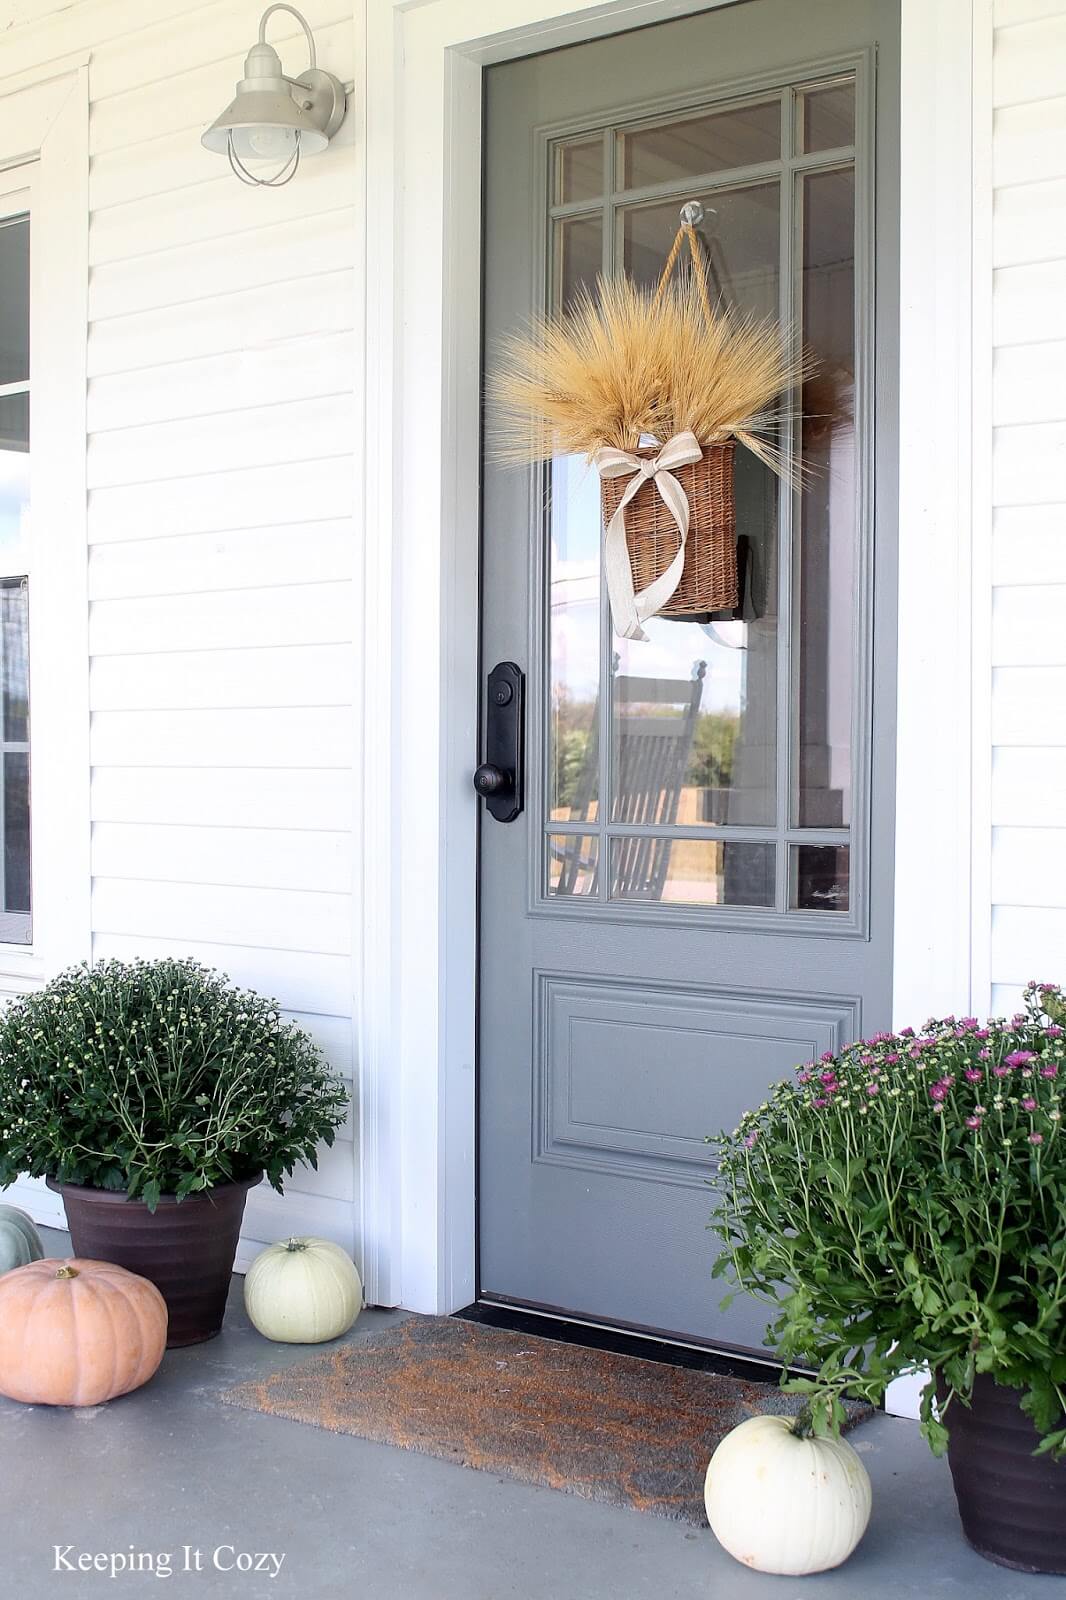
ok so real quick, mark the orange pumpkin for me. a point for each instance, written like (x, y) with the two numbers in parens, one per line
(77, 1333)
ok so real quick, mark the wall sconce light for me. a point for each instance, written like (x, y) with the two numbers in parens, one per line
(275, 118)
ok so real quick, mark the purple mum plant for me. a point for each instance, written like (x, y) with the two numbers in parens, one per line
(903, 1206)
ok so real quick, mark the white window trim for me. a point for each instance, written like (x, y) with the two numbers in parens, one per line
(417, 819)
(44, 149)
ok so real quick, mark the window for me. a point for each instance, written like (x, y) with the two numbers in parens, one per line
(15, 890)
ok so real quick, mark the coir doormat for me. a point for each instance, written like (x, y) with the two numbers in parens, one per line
(608, 1427)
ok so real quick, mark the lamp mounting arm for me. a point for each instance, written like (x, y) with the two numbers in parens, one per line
(308, 35)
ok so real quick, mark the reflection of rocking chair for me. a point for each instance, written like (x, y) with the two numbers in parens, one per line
(651, 755)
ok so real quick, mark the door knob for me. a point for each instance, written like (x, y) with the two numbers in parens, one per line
(490, 780)
(498, 780)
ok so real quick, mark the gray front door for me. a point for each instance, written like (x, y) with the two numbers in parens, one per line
(697, 895)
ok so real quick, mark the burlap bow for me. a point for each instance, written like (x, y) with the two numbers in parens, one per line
(630, 609)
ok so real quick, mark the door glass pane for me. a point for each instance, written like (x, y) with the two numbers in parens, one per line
(14, 661)
(824, 576)
(694, 721)
(695, 146)
(574, 623)
(579, 171)
(741, 232)
(826, 117)
(695, 872)
(578, 256)
(819, 877)
(15, 301)
(573, 860)
(14, 748)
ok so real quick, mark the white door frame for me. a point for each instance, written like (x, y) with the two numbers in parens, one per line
(420, 591)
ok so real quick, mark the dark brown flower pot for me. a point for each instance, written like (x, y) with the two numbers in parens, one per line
(186, 1248)
(1012, 1503)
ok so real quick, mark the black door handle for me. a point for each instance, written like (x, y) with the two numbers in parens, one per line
(499, 779)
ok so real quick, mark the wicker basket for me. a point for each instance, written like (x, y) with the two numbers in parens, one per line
(709, 580)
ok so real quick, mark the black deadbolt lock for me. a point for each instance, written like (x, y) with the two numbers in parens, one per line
(499, 779)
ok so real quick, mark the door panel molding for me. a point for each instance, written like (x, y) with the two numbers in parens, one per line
(755, 1023)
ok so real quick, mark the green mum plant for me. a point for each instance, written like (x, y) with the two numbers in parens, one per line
(158, 1077)
(902, 1205)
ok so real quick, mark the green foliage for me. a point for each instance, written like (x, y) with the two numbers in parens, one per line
(713, 744)
(158, 1077)
(902, 1203)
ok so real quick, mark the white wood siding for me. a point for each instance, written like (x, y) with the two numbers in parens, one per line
(222, 361)
(1029, 495)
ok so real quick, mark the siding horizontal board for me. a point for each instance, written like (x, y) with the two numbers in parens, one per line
(298, 675)
(274, 919)
(1030, 142)
(307, 613)
(1028, 625)
(284, 252)
(1029, 464)
(1029, 223)
(1027, 63)
(289, 492)
(300, 737)
(317, 552)
(1026, 706)
(1029, 303)
(1029, 384)
(1028, 942)
(1029, 786)
(259, 858)
(319, 365)
(233, 797)
(223, 442)
(205, 208)
(1029, 868)
(1029, 545)
(245, 319)
(300, 980)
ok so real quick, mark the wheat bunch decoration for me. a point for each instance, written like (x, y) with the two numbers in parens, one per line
(657, 387)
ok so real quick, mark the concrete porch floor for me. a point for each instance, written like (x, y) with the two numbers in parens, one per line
(171, 1466)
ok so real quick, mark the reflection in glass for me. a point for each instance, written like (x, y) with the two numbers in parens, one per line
(578, 257)
(14, 661)
(695, 872)
(574, 619)
(694, 725)
(579, 171)
(16, 831)
(14, 301)
(741, 236)
(825, 565)
(15, 788)
(695, 146)
(573, 860)
(14, 475)
(827, 117)
(819, 877)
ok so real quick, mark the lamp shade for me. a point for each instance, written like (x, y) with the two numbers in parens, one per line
(263, 119)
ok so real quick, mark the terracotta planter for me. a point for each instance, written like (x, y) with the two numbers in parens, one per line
(185, 1248)
(1012, 1503)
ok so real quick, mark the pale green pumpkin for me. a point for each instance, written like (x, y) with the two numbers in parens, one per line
(303, 1291)
(20, 1243)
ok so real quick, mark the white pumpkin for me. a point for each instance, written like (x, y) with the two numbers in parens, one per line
(303, 1291)
(20, 1243)
(785, 1504)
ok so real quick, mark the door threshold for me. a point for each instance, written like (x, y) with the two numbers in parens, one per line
(646, 1344)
